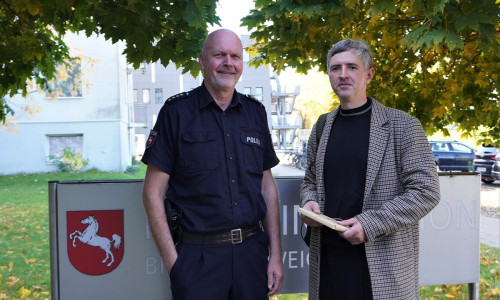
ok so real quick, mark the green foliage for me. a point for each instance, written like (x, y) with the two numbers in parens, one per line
(5, 109)
(438, 60)
(31, 39)
(69, 161)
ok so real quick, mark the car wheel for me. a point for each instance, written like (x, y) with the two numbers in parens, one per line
(487, 180)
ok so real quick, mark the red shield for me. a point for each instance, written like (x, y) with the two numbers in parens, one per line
(95, 240)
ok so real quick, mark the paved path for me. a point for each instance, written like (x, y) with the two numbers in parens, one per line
(489, 228)
(489, 231)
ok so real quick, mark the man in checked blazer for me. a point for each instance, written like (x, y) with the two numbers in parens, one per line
(373, 168)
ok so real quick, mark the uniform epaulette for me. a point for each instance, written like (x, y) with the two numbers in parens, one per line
(177, 97)
(254, 99)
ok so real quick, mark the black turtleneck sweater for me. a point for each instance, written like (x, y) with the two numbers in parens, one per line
(345, 167)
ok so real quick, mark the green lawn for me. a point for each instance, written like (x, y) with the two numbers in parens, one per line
(25, 252)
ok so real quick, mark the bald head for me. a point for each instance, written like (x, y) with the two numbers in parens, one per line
(221, 34)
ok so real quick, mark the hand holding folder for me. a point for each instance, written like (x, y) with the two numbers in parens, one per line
(323, 219)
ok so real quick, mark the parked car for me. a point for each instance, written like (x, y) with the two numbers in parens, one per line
(483, 162)
(495, 172)
(452, 155)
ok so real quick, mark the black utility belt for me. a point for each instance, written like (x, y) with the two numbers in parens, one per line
(235, 236)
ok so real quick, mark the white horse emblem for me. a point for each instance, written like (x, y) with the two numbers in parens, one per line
(90, 237)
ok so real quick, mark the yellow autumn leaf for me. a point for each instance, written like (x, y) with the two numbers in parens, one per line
(12, 280)
(425, 92)
(450, 296)
(438, 289)
(23, 293)
(482, 80)
(454, 87)
(495, 291)
(313, 30)
(30, 261)
(253, 52)
(470, 50)
(36, 288)
(389, 41)
(32, 8)
(439, 112)
(3, 295)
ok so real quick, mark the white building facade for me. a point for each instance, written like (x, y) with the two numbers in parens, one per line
(90, 115)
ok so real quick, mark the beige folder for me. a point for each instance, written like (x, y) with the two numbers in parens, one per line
(321, 218)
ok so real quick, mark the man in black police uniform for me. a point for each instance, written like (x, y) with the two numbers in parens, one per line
(211, 154)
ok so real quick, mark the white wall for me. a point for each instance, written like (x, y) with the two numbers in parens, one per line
(101, 115)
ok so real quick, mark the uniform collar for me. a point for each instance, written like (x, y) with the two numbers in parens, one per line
(205, 98)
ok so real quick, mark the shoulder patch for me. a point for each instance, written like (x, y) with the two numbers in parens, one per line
(250, 97)
(177, 97)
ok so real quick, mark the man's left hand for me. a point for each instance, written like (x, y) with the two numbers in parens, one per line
(355, 234)
(275, 274)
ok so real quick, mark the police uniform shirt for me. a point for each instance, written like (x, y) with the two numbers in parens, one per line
(215, 159)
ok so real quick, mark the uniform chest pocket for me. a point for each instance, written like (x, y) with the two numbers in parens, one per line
(199, 151)
(253, 150)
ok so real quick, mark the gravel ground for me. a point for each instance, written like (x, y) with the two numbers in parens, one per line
(490, 200)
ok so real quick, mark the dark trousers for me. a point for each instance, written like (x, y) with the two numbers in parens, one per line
(344, 273)
(223, 271)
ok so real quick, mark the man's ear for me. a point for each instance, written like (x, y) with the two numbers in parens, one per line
(369, 75)
(201, 62)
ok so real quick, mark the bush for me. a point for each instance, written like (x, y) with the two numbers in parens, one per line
(70, 161)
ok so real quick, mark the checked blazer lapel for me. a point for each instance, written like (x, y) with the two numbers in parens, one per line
(379, 137)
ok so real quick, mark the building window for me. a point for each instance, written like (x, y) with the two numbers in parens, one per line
(134, 95)
(68, 79)
(247, 91)
(259, 94)
(57, 143)
(159, 95)
(145, 95)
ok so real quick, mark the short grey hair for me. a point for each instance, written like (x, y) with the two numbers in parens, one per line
(357, 47)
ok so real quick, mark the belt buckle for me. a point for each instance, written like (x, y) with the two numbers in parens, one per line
(236, 236)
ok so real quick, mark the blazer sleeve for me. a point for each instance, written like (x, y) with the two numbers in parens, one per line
(308, 188)
(412, 189)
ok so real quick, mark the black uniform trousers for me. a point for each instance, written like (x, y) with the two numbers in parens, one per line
(221, 271)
